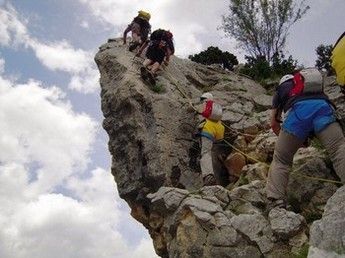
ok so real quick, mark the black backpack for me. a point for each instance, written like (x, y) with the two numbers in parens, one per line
(157, 35)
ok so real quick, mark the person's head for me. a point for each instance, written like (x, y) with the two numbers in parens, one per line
(144, 15)
(206, 96)
(285, 78)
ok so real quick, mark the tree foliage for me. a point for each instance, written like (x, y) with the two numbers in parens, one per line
(324, 53)
(260, 69)
(261, 26)
(213, 55)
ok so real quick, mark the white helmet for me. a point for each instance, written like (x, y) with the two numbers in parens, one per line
(207, 96)
(285, 78)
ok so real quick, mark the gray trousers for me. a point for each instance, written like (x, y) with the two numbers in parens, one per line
(206, 157)
(287, 145)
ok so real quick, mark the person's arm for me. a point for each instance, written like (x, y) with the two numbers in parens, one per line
(128, 29)
(275, 120)
(167, 56)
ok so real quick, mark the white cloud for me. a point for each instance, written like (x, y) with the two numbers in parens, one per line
(56, 56)
(2, 65)
(84, 24)
(62, 56)
(36, 124)
(56, 225)
(86, 81)
(12, 31)
(44, 145)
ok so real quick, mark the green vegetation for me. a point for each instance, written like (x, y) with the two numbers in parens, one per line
(316, 144)
(261, 26)
(158, 88)
(260, 69)
(213, 55)
(303, 252)
(323, 61)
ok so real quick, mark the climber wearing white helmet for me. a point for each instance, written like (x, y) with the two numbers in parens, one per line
(140, 28)
(211, 130)
(309, 112)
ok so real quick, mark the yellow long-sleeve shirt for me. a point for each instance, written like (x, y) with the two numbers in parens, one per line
(214, 130)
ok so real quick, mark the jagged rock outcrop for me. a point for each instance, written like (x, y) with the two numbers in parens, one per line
(155, 165)
(327, 235)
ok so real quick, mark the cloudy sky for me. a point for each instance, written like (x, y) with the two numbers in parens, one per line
(57, 197)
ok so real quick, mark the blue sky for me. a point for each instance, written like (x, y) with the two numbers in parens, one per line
(57, 196)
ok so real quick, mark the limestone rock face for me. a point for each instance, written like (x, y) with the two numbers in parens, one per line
(155, 165)
(327, 235)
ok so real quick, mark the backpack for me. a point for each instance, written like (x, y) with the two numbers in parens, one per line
(306, 82)
(157, 35)
(212, 111)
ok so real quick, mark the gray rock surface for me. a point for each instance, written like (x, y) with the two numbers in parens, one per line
(327, 234)
(154, 163)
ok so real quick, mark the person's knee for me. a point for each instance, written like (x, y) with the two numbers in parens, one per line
(282, 156)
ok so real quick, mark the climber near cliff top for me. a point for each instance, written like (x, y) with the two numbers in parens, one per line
(211, 130)
(309, 111)
(338, 61)
(160, 48)
(140, 28)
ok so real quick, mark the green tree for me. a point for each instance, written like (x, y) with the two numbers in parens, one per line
(260, 69)
(213, 55)
(261, 26)
(281, 65)
(257, 68)
(324, 53)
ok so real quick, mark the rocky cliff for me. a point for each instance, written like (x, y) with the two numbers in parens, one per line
(155, 165)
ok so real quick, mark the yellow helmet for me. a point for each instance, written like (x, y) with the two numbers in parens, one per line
(144, 15)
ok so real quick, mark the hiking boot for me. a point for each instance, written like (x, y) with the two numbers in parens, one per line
(144, 73)
(133, 46)
(209, 180)
(151, 78)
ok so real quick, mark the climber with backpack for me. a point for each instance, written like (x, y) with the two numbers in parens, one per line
(160, 48)
(338, 61)
(210, 130)
(308, 111)
(140, 28)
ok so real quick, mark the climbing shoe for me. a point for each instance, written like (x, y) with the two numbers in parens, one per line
(133, 46)
(151, 78)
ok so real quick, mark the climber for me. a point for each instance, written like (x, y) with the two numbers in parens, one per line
(309, 111)
(211, 130)
(338, 60)
(160, 48)
(140, 28)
